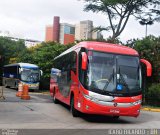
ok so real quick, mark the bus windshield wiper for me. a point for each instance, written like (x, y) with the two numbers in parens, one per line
(138, 78)
(110, 78)
(123, 80)
(30, 76)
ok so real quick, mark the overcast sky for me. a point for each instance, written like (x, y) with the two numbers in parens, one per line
(28, 18)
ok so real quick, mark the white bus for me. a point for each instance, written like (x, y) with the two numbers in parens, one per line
(24, 73)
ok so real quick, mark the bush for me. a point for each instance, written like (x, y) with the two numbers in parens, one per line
(153, 95)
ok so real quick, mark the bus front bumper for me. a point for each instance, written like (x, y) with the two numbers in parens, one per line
(34, 86)
(112, 108)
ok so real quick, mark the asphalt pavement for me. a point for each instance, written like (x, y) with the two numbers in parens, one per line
(41, 113)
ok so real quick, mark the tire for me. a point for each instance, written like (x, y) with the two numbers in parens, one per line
(74, 112)
(5, 85)
(36, 90)
(16, 86)
(54, 97)
(116, 117)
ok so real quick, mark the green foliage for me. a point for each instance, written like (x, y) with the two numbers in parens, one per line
(149, 48)
(119, 12)
(96, 40)
(153, 95)
(115, 41)
(10, 49)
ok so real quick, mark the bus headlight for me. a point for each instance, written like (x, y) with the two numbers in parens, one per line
(87, 97)
(90, 97)
(137, 102)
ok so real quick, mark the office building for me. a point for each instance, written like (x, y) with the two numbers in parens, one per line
(65, 33)
(49, 33)
(28, 42)
(56, 28)
(84, 30)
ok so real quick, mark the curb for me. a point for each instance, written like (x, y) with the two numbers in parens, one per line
(150, 109)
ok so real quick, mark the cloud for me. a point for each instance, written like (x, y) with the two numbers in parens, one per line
(28, 18)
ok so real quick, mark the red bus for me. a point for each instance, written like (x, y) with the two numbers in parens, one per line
(99, 78)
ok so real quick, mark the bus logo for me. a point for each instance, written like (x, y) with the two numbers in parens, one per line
(115, 104)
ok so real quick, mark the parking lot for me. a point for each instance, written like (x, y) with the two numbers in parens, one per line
(41, 113)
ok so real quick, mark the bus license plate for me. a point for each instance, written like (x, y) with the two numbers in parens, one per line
(114, 111)
(33, 85)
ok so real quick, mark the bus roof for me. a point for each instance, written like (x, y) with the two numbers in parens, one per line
(103, 47)
(23, 65)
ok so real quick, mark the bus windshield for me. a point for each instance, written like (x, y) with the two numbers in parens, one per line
(30, 75)
(113, 73)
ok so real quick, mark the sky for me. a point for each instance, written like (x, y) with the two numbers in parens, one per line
(28, 18)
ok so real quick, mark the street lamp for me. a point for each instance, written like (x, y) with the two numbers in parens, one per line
(146, 22)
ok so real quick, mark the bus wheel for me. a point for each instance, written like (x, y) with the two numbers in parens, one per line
(16, 86)
(54, 97)
(5, 85)
(74, 112)
(116, 117)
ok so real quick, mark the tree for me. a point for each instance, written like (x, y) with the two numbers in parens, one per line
(9, 51)
(149, 48)
(119, 12)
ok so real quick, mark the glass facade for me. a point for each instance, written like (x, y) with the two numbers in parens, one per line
(69, 30)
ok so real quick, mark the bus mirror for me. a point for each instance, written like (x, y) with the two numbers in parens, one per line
(84, 61)
(41, 72)
(148, 66)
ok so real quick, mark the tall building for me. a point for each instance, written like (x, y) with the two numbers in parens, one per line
(65, 33)
(84, 30)
(97, 35)
(56, 28)
(52, 31)
(49, 33)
